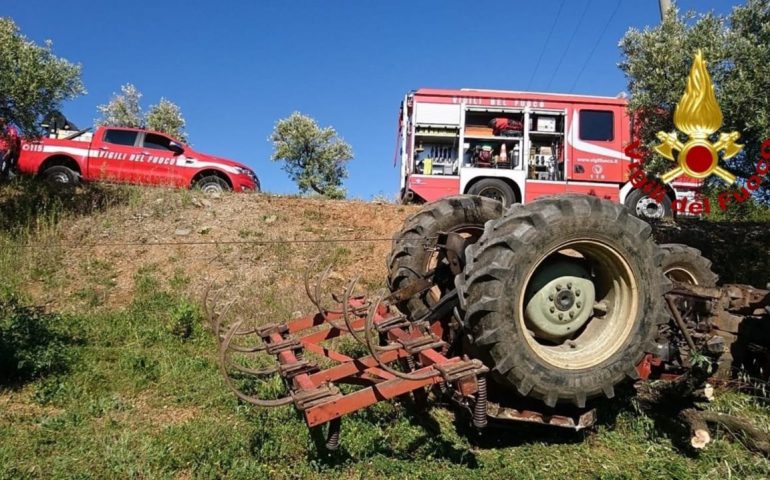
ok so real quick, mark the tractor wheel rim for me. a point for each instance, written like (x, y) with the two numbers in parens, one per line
(60, 178)
(612, 317)
(680, 274)
(649, 208)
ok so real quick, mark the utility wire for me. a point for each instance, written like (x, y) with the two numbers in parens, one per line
(569, 43)
(32, 245)
(596, 44)
(545, 45)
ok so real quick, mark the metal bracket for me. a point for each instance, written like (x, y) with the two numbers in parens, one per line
(291, 370)
(266, 330)
(456, 371)
(418, 344)
(305, 399)
(391, 323)
(288, 344)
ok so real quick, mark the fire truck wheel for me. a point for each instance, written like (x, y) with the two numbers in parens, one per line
(494, 189)
(685, 264)
(563, 297)
(60, 176)
(212, 184)
(648, 208)
(413, 255)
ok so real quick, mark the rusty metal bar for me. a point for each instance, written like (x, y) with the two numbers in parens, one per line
(322, 413)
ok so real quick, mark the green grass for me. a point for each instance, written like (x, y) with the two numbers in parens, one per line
(135, 392)
(142, 397)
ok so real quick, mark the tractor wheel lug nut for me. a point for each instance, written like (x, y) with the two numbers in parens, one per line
(561, 316)
(572, 344)
(569, 285)
(552, 309)
(550, 297)
(577, 292)
(579, 304)
(558, 286)
(571, 314)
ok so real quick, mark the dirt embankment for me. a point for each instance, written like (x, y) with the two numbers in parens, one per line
(248, 243)
(258, 248)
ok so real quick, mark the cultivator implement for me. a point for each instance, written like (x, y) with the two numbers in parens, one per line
(403, 358)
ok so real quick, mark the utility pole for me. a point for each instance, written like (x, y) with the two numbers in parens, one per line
(665, 6)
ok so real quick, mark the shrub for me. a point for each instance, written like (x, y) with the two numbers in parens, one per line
(31, 341)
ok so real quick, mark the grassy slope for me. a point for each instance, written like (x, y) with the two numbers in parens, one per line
(142, 397)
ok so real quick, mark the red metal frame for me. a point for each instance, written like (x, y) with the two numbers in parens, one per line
(312, 388)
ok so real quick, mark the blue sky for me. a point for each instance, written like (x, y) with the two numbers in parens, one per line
(235, 67)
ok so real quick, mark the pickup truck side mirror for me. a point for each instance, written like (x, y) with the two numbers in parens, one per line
(176, 148)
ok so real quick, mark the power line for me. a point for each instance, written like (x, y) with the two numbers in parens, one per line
(596, 44)
(32, 245)
(569, 43)
(545, 45)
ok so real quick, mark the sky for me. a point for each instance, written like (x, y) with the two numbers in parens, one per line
(235, 67)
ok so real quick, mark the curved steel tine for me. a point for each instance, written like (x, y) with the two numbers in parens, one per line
(207, 310)
(222, 315)
(321, 280)
(257, 372)
(242, 349)
(223, 349)
(346, 314)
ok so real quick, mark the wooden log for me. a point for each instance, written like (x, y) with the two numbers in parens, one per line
(700, 435)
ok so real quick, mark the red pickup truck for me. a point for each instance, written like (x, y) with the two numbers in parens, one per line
(130, 155)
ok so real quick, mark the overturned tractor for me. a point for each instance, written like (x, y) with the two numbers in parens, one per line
(525, 315)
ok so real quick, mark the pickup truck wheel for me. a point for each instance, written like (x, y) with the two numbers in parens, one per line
(212, 184)
(60, 176)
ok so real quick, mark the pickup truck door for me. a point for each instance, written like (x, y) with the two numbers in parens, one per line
(158, 160)
(113, 155)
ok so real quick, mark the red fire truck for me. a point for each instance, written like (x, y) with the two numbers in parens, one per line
(517, 146)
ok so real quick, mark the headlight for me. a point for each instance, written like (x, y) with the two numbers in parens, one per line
(245, 171)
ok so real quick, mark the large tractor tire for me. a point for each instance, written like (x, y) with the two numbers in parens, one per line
(685, 264)
(563, 297)
(413, 255)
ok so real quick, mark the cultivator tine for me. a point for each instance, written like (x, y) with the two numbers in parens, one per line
(315, 295)
(224, 351)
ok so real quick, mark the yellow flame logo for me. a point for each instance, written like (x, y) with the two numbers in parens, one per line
(698, 115)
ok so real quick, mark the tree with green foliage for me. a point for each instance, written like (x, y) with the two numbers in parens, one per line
(167, 117)
(123, 110)
(656, 63)
(314, 157)
(33, 81)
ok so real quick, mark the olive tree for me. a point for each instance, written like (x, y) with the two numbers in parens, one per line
(314, 157)
(167, 117)
(123, 110)
(33, 81)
